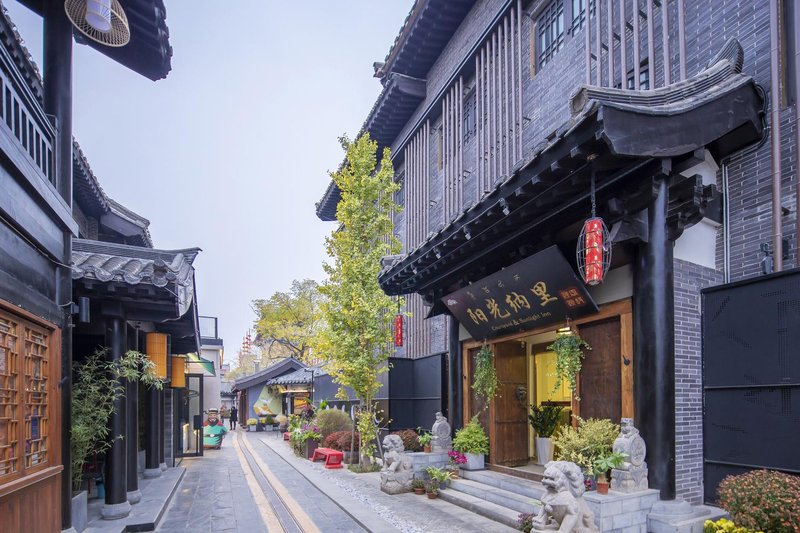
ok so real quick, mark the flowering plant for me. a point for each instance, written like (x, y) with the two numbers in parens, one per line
(457, 458)
(723, 525)
(307, 413)
(762, 500)
(525, 522)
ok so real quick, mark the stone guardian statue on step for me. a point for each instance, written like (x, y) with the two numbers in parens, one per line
(441, 441)
(563, 507)
(631, 476)
(397, 472)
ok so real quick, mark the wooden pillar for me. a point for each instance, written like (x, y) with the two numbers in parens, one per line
(116, 474)
(151, 467)
(654, 341)
(455, 390)
(57, 63)
(132, 442)
(161, 422)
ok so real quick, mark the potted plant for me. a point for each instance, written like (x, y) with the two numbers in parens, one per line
(432, 489)
(251, 424)
(424, 439)
(471, 440)
(419, 486)
(544, 419)
(456, 460)
(568, 348)
(439, 475)
(603, 465)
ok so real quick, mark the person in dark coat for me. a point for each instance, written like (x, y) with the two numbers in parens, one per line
(234, 417)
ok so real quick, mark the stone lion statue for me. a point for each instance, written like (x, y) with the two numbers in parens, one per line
(563, 508)
(397, 471)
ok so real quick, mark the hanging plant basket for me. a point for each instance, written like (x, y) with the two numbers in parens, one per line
(569, 350)
(485, 377)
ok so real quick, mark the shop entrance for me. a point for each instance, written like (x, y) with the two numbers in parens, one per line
(526, 374)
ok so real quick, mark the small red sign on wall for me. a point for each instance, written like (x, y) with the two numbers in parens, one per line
(398, 330)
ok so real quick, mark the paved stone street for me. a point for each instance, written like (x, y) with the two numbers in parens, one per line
(213, 496)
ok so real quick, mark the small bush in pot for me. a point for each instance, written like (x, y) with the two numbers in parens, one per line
(424, 437)
(544, 420)
(419, 486)
(602, 468)
(432, 489)
(471, 440)
(583, 445)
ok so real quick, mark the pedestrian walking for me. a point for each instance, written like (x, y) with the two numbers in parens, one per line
(234, 417)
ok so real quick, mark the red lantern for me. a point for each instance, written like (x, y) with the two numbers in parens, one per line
(398, 330)
(594, 251)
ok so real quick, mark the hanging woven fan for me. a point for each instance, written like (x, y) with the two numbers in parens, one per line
(102, 21)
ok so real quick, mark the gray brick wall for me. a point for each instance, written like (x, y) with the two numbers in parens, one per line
(689, 280)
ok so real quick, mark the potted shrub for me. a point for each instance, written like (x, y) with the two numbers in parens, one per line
(251, 424)
(439, 475)
(456, 460)
(424, 439)
(419, 486)
(544, 419)
(471, 440)
(762, 500)
(584, 444)
(410, 439)
(432, 489)
(603, 466)
(332, 421)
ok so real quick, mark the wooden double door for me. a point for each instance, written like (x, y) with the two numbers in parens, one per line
(604, 386)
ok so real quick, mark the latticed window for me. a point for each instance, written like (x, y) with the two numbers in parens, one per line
(578, 13)
(25, 358)
(550, 29)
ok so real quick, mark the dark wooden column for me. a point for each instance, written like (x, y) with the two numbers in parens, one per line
(151, 467)
(57, 62)
(132, 447)
(161, 421)
(116, 475)
(654, 340)
(455, 391)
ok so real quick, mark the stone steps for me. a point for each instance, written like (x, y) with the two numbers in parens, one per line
(492, 511)
(499, 497)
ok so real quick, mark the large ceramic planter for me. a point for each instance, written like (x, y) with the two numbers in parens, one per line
(474, 461)
(544, 450)
(80, 511)
(311, 445)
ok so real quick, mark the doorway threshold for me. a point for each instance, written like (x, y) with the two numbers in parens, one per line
(530, 471)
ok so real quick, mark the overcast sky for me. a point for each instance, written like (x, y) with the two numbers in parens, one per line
(231, 152)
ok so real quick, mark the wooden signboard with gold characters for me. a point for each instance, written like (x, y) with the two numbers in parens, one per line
(539, 290)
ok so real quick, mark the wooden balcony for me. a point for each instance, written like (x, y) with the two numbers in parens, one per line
(26, 135)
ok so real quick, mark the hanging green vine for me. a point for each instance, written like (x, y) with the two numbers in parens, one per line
(569, 355)
(485, 377)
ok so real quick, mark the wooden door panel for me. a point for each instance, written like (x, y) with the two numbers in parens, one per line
(511, 413)
(600, 378)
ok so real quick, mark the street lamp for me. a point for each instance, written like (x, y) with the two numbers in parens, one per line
(311, 392)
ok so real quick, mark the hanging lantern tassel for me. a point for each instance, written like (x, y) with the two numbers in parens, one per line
(398, 330)
(594, 251)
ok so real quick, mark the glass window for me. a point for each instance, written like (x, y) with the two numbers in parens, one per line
(550, 28)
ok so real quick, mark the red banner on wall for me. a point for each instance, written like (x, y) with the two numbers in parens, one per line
(398, 330)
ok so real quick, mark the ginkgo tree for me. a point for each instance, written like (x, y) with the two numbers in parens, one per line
(356, 341)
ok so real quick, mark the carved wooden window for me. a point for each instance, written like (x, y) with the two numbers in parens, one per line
(9, 396)
(26, 359)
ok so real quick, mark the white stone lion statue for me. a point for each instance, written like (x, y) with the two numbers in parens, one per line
(563, 508)
(397, 471)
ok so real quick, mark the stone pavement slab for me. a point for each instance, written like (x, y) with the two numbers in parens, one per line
(213, 496)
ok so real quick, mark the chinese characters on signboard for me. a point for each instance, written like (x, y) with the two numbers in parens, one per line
(539, 290)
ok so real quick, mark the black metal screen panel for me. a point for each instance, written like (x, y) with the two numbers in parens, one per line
(751, 377)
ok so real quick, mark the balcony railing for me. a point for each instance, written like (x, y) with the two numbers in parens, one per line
(636, 44)
(23, 122)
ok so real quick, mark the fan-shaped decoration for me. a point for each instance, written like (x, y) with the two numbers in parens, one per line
(102, 21)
